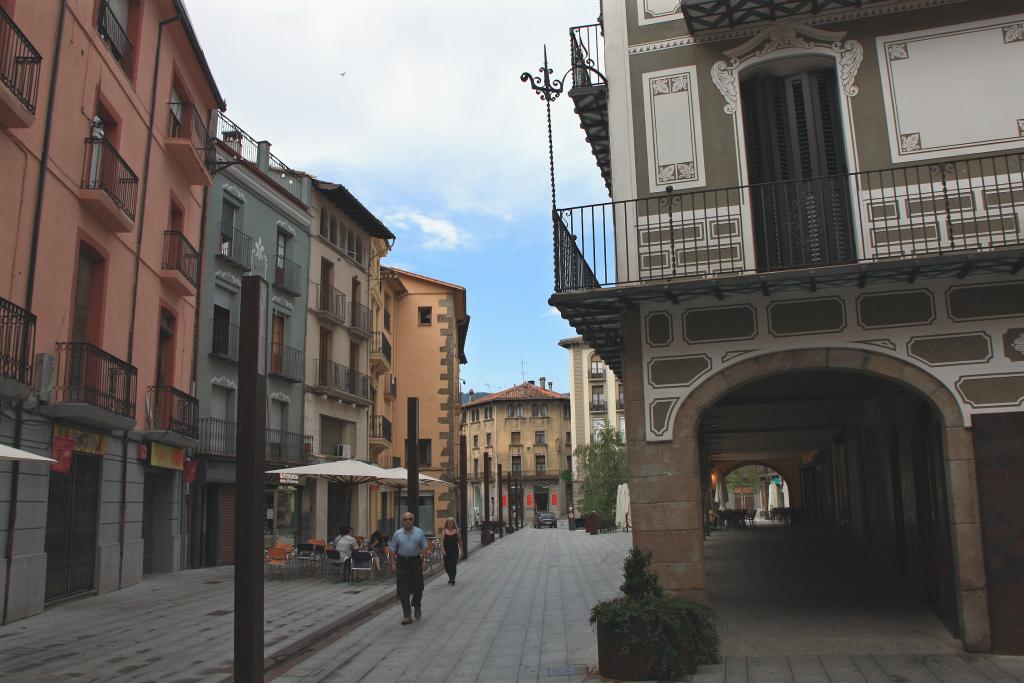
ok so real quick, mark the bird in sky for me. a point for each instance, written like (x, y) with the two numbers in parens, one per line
(343, 73)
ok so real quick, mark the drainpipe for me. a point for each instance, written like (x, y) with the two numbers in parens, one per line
(192, 514)
(135, 284)
(44, 161)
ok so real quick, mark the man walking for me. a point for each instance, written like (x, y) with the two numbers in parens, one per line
(408, 546)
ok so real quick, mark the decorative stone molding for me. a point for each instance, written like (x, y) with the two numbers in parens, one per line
(232, 190)
(788, 35)
(225, 382)
(228, 277)
(280, 396)
(285, 226)
(282, 302)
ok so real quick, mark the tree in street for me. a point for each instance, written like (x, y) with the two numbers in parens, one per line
(604, 466)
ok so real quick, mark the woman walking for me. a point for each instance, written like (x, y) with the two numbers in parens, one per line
(451, 548)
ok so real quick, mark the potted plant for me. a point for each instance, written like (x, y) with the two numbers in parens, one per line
(646, 635)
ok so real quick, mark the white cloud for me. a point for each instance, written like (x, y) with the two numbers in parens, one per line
(435, 233)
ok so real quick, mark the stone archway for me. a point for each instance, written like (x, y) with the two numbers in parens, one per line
(668, 507)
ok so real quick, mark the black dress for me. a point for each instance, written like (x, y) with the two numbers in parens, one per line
(451, 554)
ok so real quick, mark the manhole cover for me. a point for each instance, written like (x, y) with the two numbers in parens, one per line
(219, 613)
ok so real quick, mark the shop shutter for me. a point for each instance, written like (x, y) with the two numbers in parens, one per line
(226, 525)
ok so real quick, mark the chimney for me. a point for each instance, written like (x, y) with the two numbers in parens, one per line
(543, 382)
(551, 386)
(531, 383)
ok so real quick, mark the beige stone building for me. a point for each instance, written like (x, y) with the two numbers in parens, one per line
(527, 430)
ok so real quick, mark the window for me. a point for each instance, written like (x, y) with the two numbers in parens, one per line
(350, 243)
(488, 439)
(425, 315)
(425, 453)
(510, 411)
(462, 418)
(541, 463)
(568, 439)
(543, 410)
(476, 441)
(359, 250)
(566, 412)
(165, 350)
(221, 341)
(539, 438)
(517, 463)
(598, 424)
(116, 23)
(277, 344)
(228, 221)
(520, 410)
(476, 414)
(488, 412)
(621, 399)
(596, 369)
(333, 236)
(476, 467)
(534, 410)
(597, 397)
(323, 224)
(622, 426)
(516, 439)
(88, 301)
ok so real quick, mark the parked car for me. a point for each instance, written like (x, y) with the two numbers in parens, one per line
(543, 519)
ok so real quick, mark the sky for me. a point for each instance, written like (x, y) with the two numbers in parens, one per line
(417, 107)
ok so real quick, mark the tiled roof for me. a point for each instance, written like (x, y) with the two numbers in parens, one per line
(521, 392)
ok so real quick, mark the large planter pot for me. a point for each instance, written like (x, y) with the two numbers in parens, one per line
(636, 665)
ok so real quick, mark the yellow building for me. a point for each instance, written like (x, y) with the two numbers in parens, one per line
(527, 429)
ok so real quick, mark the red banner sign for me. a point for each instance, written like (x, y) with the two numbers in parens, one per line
(504, 501)
(190, 471)
(529, 500)
(63, 451)
(554, 499)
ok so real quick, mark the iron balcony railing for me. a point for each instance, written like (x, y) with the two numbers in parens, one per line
(88, 374)
(360, 319)
(965, 206)
(106, 170)
(235, 246)
(597, 374)
(539, 473)
(288, 275)
(586, 55)
(224, 340)
(380, 428)
(336, 377)
(381, 346)
(173, 410)
(114, 35)
(707, 15)
(285, 362)
(330, 302)
(217, 437)
(598, 406)
(289, 447)
(19, 62)
(185, 122)
(180, 255)
(17, 342)
(245, 147)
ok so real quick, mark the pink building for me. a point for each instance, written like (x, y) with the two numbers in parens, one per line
(98, 278)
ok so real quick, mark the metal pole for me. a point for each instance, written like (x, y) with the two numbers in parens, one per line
(501, 507)
(412, 459)
(463, 499)
(511, 516)
(251, 440)
(485, 527)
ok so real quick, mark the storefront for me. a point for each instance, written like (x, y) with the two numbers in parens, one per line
(158, 506)
(287, 510)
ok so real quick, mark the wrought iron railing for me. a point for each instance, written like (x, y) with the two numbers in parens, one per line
(180, 255)
(596, 374)
(19, 62)
(285, 362)
(289, 447)
(968, 205)
(706, 15)
(336, 377)
(245, 147)
(330, 301)
(586, 55)
(88, 374)
(361, 317)
(380, 428)
(598, 406)
(381, 346)
(224, 340)
(217, 437)
(114, 35)
(173, 410)
(16, 326)
(106, 170)
(235, 246)
(539, 473)
(184, 121)
(288, 275)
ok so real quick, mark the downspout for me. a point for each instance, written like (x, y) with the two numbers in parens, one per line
(44, 161)
(135, 284)
(190, 561)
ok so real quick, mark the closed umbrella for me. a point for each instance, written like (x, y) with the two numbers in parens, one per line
(11, 453)
(625, 507)
(620, 510)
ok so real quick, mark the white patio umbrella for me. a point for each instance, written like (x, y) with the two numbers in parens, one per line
(342, 471)
(11, 453)
(398, 478)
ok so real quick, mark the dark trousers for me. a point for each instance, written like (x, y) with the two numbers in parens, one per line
(410, 582)
(450, 560)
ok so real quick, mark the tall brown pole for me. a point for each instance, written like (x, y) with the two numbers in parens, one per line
(512, 517)
(485, 527)
(412, 460)
(463, 498)
(501, 507)
(251, 441)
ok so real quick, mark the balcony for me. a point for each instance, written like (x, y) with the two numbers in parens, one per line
(172, 417)
(17, 341)
(224, 340)
(342, 382)
(380, 352)
(329, 304)
(19, 72)
(598, 406)
(236, 247)
(390, 388)
(93, 387)
(285, 362)
(288, 276)
(109, 186)
(115, 36)
(589, 92)
(217, 437)
(244, 147)
(542, 473)
(180, 264)
(380, 433)
(289, 448)
(359, 322)
(929, 220)
(188, 142)
(596, 375)
(703, 16)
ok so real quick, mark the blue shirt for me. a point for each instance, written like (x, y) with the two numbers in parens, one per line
(408, 544)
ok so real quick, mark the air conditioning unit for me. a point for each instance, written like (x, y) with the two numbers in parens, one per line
(343, 451)
(44, 372)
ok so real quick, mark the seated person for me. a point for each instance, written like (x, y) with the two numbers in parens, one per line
(377, 547)
(345, 544)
